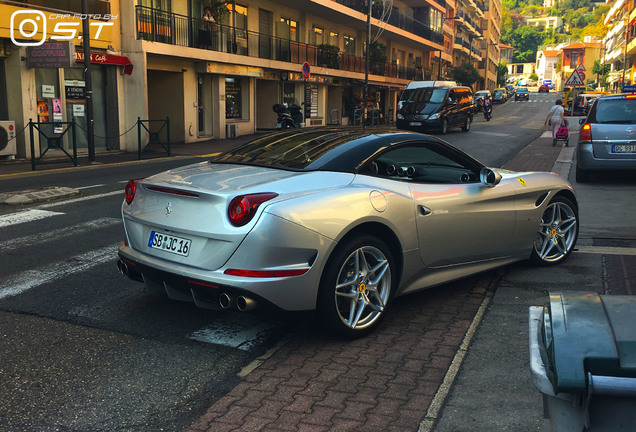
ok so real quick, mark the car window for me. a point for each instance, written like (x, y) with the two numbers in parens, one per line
(424, 162)
(616, 111)
(426, 94)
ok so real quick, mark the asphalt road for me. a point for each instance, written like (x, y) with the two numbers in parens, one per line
(84, 348)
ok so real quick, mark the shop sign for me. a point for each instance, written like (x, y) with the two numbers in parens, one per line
(48, 91)
(51, 55)
(75, 89)
(219, 68)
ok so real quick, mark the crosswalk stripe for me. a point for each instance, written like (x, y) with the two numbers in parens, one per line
(86, 198)
(70, 231)
(32, 278)
(25, 216)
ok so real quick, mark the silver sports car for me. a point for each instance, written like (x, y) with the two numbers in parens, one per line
(341, 221)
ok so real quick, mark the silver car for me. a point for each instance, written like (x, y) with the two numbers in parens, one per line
(607, 140)
(338, 220)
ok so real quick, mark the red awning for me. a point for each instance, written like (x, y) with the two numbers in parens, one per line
(110, 59)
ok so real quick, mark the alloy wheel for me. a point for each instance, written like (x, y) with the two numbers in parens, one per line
(557, 232)
(363, 286)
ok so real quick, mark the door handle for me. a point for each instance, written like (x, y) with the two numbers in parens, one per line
(424, 210)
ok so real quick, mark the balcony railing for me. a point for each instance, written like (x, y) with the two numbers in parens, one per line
(397, 19)
(165, 27)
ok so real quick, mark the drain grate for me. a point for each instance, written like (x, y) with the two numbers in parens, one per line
(619, 274)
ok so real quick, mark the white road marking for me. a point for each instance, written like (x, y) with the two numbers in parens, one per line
(490, 133)
(47, 236)
(546, 134)
(86, 198)
(606, 250)
(90, 187)
(25, 216)
(242, 334)
(32, 278)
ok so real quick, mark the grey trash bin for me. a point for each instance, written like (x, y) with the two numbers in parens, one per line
(583, 361)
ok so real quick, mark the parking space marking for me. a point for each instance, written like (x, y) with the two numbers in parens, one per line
(25, 216)
(86, 198)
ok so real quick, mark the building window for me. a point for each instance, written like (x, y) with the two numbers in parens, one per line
(234, 98)
(574, 60)
(317, 34)
(349, 45)
(288, 29)
(333, 38)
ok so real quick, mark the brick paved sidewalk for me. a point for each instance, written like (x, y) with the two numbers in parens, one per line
(383, 382)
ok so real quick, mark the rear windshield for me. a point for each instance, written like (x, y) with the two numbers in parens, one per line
(522, 90)
(424, 94)
(498, 92)
(296, 151)
(619, 111)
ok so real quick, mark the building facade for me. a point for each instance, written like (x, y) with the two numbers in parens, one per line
(619, 45)
(580, 55)
(490, 44)
(547, 65)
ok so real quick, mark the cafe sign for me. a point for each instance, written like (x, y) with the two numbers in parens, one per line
(51, 55)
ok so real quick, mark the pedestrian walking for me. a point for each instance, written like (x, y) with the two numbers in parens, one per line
(555, 117)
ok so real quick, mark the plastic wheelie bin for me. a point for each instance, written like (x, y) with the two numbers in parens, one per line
(583, 360)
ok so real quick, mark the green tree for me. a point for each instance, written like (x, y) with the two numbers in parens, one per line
(466, 74)
(502, 71)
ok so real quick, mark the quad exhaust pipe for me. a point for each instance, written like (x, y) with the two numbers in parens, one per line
(242, 303)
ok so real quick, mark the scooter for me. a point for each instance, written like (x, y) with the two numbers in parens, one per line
(288, 116)
(487, 112)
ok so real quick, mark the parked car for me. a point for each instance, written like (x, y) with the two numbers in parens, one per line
(522, 93)
(544, 88)
(437, 108)
(499, 95)
(338, 220)
(607, 140)
(510, 90)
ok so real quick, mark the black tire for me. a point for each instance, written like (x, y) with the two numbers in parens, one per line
(467, 123)
(356, 285)
(444, 127)
(582, 176)
(557, 233)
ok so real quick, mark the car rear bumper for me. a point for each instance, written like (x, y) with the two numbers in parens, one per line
(585, 159)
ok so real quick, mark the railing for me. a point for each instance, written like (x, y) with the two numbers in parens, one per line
(158, 26)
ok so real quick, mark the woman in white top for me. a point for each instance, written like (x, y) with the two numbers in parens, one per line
(555, 117)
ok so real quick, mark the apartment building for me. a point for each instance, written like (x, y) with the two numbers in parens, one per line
(619, 45)
(580, 54)
(545, 23)
(468, 35)
(222, 79)
(490, 44)
(546, 65)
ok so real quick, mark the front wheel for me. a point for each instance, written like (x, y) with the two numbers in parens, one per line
(444, 127)
(466, 126)
(356, 287)
(582, 176)
(557, 233)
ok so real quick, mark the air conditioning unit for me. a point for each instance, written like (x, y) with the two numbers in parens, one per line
(7, 138)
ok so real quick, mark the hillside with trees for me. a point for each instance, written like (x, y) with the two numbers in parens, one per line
(580, 18)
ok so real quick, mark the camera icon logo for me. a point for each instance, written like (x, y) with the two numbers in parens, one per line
(26, 24)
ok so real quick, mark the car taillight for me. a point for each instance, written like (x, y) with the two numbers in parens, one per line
(586, 132)
(630, 96)
(265, 273)
(243, 207)
(131, 189)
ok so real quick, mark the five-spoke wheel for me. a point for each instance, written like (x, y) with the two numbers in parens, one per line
(357, 286)
(557, 233)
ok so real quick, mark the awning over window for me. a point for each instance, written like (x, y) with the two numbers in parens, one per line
(109, 59)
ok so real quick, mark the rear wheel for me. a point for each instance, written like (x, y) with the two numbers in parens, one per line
(466, 126)
(356, 287)
(557, 233)
(582, 176)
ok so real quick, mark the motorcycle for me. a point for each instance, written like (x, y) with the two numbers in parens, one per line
(289, 116)
(488, 111)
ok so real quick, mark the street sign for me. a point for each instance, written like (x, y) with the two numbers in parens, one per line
(629, 89)
(580, 67)
(574, 80)
(306, 70)
(582, 75)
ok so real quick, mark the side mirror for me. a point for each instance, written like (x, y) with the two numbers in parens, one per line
(489, 177)
(582, 121)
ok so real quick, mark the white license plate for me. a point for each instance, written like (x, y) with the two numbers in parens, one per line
(169, 243)
(624, 148)
(279, 126)
(415, 124)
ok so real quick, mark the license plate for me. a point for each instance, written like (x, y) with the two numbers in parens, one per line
(169, 243)
(624, 148)
(415, 124)
(279, 126)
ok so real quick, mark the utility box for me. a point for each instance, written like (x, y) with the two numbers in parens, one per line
(583, 360)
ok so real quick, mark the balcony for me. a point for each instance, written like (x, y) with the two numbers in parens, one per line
(94, 7)
(397, 19)
(181, 30)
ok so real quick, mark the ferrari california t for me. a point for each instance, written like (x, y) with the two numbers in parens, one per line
(337, 220)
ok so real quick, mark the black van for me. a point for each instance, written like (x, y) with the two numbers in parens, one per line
(437, 108)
